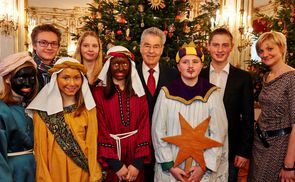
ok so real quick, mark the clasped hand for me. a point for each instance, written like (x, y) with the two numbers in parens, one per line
(128, 174)
(195, 174)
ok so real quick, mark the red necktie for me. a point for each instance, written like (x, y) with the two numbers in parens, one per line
(151, 83)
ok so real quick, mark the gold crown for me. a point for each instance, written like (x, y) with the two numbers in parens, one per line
(191, 44)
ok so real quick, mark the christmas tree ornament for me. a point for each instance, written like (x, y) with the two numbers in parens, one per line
(157, 4)
(112, 35)
(186, 29)
(177, 18)
(140, 8)
(284, 31)
(123, 20)
(100, 26)
(115, 2)
(165, 32)
(115, 12)
(292, 14)
(126, 1)
(134, 48)
(171, 28)
(119, 32)
(183, 16)
(110, 45)
(196, 28)
(280, 22)
(128, 34)
(142, 23)
(191, 143)
(98, 15)
(170, 34)
(292, 19)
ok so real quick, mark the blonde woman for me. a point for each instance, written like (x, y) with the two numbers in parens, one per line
(274, 140)
(89, 53)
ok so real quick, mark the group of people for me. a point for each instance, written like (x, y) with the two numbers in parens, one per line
(104, 118)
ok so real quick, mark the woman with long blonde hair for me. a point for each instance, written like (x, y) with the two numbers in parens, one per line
(89, 53)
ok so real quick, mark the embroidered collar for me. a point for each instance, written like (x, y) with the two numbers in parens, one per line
(178, 90)
(122, 114)
(69, 109)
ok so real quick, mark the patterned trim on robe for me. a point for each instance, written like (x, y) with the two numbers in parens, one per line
(64, 137)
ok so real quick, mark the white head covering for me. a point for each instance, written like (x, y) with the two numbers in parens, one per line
(12, 62)
(135, 79)
(49, 98)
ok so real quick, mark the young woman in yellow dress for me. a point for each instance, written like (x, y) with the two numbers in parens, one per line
(65, 126)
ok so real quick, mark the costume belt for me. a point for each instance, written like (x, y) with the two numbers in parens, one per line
(11, 154)
(119, 137)
(263, 135)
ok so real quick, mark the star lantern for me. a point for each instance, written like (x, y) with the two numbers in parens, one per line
(157, 4)
(192, 142)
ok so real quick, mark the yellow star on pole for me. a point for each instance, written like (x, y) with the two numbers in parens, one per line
(192, 142)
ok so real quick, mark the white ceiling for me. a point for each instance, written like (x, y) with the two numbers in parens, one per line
(69, 4)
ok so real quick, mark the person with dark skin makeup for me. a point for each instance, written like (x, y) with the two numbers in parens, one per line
(123, 118)
(18, 85)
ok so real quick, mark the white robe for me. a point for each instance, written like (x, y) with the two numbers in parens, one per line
(165, 122)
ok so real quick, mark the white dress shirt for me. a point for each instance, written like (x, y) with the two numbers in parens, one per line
(146, 73)
(219, 79)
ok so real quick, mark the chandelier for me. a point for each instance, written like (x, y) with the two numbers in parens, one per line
(8, 19)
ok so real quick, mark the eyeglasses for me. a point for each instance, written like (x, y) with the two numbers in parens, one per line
(44, 43)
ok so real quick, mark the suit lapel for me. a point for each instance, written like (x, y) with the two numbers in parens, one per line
(228, 85)
(205, 73)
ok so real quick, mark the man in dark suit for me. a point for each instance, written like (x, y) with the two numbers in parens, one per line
(151, 48)
(237, 93)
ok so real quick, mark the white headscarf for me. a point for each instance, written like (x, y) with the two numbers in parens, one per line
(135, 79)
(49, 98)
(12, 62)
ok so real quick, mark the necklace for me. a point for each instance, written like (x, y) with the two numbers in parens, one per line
(127, 122)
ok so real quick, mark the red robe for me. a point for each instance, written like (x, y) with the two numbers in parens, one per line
(109, 122)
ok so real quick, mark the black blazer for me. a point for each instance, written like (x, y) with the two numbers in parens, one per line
(166, 75)
(239, 105)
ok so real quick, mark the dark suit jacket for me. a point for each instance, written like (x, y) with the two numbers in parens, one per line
(239, 105)
(166, 75)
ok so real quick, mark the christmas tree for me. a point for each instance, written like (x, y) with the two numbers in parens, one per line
(282, 21)
(121, 22)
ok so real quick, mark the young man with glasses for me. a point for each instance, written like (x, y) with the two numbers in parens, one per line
(153, 74)
(46, 41)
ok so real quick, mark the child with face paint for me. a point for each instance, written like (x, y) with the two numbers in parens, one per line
(18, 85)
(195, 99)
(123, 118)
(65, 122)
